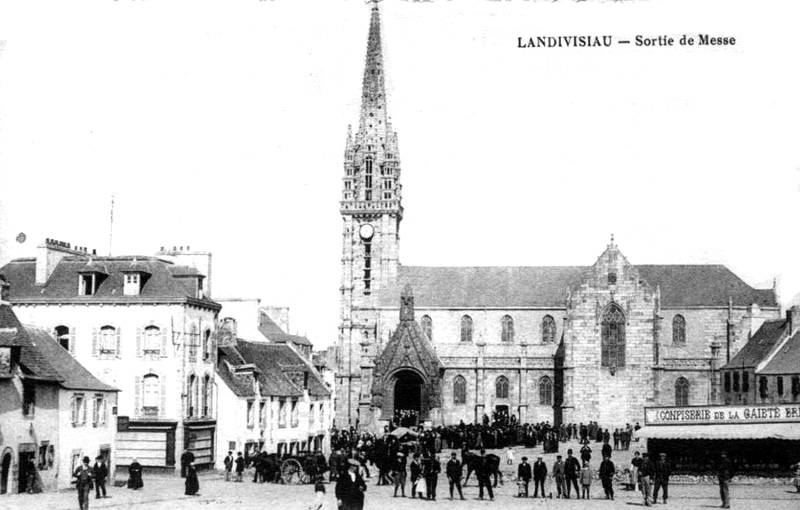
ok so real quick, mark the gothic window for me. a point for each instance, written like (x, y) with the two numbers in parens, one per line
(191, 396)
(459, 390)
(679, 330)
(545, 391)
(507, 334)
(763, 387)
(466, 328)
(548, 330)
(613, 337)
(681, 392)
(427, 327)
(207, 396)
(368, 179)
(501, 387)
(207, 344)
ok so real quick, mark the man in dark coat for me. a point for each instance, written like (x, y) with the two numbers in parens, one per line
(399, 473)
(229, 466)
(431, 470)
(607, 470)
(192, 484)
(350, 488)
(724, 474)
(100, 475)
(571, 470)
(539, 476)
(454, 471)
(83, 478)
(524, 474)
(663, 470)
(186, 458)
(484, 473)
(416, 473)
(239, 466)
(646, 473)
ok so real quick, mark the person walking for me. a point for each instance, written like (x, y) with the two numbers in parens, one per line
(186, 458)
(135, 476)
(399, 474)
(192, 483)
(432, 470)
(662, 472)
(350, 488)
(539, 476)
(558, 476)
(228, 466)
(636, 465)
(483, 472)
(586, 480)
(724, 474)
(454, 471)
(239, 466)
(509, 456)
(83, 479)
(524, 474)
(606, 473)
(572, 469)
(416, 472)
(100, 475)
(646, 473)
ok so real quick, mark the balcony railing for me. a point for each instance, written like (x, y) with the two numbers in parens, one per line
(150, 411)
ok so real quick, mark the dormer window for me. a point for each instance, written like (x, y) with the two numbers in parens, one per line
(132, 284)
(87, 284)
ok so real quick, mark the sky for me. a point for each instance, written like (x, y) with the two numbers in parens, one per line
(221, 125)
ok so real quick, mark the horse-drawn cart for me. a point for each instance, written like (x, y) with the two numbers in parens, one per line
(302, 468)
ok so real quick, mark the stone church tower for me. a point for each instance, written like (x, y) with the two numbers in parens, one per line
(371, 212)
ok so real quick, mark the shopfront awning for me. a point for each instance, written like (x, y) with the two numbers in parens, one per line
(785, 431)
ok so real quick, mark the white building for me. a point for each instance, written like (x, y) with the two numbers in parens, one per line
(142, 324)
(52, 410)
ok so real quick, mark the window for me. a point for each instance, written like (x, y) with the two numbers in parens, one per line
(780, 385)
(367, 266)
(548, 330)
(736, 382)
(28, 397)
(679, 330)
(250, 413)
(150, 387)
(282, 413)
(5, 360)
(295, 413)
(207, 396)
(507, 329)
(745, 382)
(727, 382)
(795, 387)
(262, 414)
(501, 387)
(87, 284)
(427, 327)
(613, 337)
(459, 390)
(191, 396)
(100, 412)
(681, 392)
(106, 342)
(466, 328)
(194, 342)
(311, 415)
(545, 391)
(46, 456)
(131, 286)
(152, 340)
(78, 409)
(763, 388)
(207, 344)
(368, 179)
(612, 278)
(64, 340)
(321, 415)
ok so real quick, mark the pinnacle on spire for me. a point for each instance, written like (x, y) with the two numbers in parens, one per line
(373, 94)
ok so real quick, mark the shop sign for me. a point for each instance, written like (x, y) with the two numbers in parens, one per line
(712, 415)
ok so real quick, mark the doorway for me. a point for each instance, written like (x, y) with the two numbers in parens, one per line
(408, 398)
(24, 459)
(5, 472)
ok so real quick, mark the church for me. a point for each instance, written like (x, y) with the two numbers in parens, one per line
(563, 344)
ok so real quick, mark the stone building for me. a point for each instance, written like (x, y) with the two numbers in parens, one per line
(767, 369)
(52, 410)
(558, 344)
(143, 324)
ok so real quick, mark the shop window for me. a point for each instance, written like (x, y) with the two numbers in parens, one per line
(681, 392)
(613, 337)
(548, 330)
(466, 329)
(545, 391)
(507, 329)
(427, 327)
(679, 330)
(459, 390)
(501, 387)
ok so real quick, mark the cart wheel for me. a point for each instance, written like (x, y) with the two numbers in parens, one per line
(291, 471)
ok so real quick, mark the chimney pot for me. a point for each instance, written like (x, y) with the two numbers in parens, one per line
(94, 252)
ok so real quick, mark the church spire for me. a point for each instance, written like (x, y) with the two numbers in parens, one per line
(373, 92)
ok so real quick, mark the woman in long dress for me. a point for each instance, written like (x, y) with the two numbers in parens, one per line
(135, 475)
(192, 484)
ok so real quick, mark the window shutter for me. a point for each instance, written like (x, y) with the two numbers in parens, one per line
(119, 342)
(137, 405)
(164, 344)
(72, 341)
(162, 410)
(94, 342)
(139, 342)
(72, 409)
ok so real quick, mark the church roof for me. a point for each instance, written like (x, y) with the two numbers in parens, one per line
(274, 333)
(547, 286)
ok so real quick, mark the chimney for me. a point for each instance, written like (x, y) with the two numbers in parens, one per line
(793, 319)
(48, 255)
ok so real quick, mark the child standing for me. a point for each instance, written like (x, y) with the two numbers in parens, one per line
(509, 456)
(586, 480)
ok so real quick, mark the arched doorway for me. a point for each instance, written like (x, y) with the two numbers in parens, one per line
(5, 472)
(408, 398)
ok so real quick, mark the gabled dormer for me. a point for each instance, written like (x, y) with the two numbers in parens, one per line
(134, 278)
(90, 277)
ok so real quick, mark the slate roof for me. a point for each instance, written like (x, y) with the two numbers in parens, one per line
(161, 286)
(759, 345)
(786, 360)
(33, 361)
(274, 362)
(546, 286)
(274, 333)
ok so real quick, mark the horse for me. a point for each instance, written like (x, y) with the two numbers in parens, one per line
(268, 467)
(473, 462)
